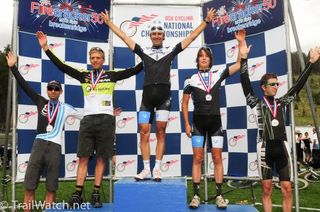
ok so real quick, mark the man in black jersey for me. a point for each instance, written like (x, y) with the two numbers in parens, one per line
(270, 113)
(156, 97)
(204, 88)
(46, 149)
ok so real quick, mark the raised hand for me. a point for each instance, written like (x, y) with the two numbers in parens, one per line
(11, 59)
(314, 54)
(42, 38)
(240, 35)
(105, 16)
(243, 49)
(210, 14)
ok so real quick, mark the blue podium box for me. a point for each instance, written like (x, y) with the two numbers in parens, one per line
(169, 195)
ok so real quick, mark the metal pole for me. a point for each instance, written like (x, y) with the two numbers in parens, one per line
(14, 105)
(302, 63)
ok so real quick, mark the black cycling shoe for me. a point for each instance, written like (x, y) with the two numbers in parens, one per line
(75, 200)
(95, 200)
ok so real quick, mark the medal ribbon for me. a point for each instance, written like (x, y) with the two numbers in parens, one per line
(275, 111)
(52, 114)
(207, 88)
(94, 83)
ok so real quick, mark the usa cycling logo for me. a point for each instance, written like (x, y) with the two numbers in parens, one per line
(251, 118)
(235, 139)
(123, 165)
(232, 51)
(71, 166)
(168, 165)
(130, 26)
(24, 69)
(54, 45)
(252, 70)
(171, 119)
(70, 120)
(22, 167)
(24, 117)
(123, 122)
(253, 165)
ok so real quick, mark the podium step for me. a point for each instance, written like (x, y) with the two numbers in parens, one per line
(168, 195)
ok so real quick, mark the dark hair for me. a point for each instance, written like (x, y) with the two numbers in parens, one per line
(264, 79)
(208, 51)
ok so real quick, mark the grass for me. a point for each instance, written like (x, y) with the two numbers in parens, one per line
(308, 197)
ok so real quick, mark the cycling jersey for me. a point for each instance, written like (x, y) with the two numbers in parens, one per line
(97, 100)
(64, 111)
(268, 132)
(157, 62)
(195, 87)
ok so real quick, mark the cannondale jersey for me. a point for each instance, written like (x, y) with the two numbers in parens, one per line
(97, 86)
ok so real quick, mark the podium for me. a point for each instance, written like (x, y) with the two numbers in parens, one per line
(168, 195)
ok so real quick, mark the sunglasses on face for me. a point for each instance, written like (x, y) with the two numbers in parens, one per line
(273, 84)
(50, 88)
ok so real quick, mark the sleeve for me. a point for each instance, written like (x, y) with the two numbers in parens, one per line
(252, 100)
(24, 85)
(177, 49)
(64, 67)
(296, 88)
(187, 87)
(119, 75)
(138, 50)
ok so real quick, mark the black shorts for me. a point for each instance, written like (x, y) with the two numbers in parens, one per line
(207, 126)
(96, 136)
(45, 155)
(154, 98)
(274, 154)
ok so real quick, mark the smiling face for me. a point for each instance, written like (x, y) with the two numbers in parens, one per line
(96, 58)
(157, 38)
(271, 87)
(53, 92)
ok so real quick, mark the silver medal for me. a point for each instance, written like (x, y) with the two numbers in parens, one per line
(49, 128)
(274, 122)
(208, 97)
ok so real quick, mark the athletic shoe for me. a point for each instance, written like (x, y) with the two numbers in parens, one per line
(143, 175)
(221, 203)
(195, 202)
(75, 200)
(156, 173)
(95, 200)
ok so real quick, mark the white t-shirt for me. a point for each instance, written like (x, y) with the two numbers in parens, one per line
(315, 138)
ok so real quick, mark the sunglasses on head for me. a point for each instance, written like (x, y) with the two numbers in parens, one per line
(50, 88)
(96, 49)
(273, 84)
(156, 28)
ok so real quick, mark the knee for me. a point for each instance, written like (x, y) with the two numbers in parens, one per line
(144, 131)
(197, 159)
(267, 190)
(217, 159)
(286, 191)
(83, 160)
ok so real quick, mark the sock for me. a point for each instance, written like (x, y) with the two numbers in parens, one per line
(196, 188)
(146, 164)
(79, 189)
(96, 189)
(157, 165)
(219, 189)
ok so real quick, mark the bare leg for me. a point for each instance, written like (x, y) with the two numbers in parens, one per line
(100, 166)
(218, 166)
(196, 164)
(144, 141)
(286, 196)
(266, 196)
(50, 198)
(28, 200)
(161, 136)
(82, 170)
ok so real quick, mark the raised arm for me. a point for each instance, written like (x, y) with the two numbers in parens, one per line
(43, 42)
(196, 32)
(296, 88)
(240, 36)
(12, 60)
(122, 35)
(244, 76)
